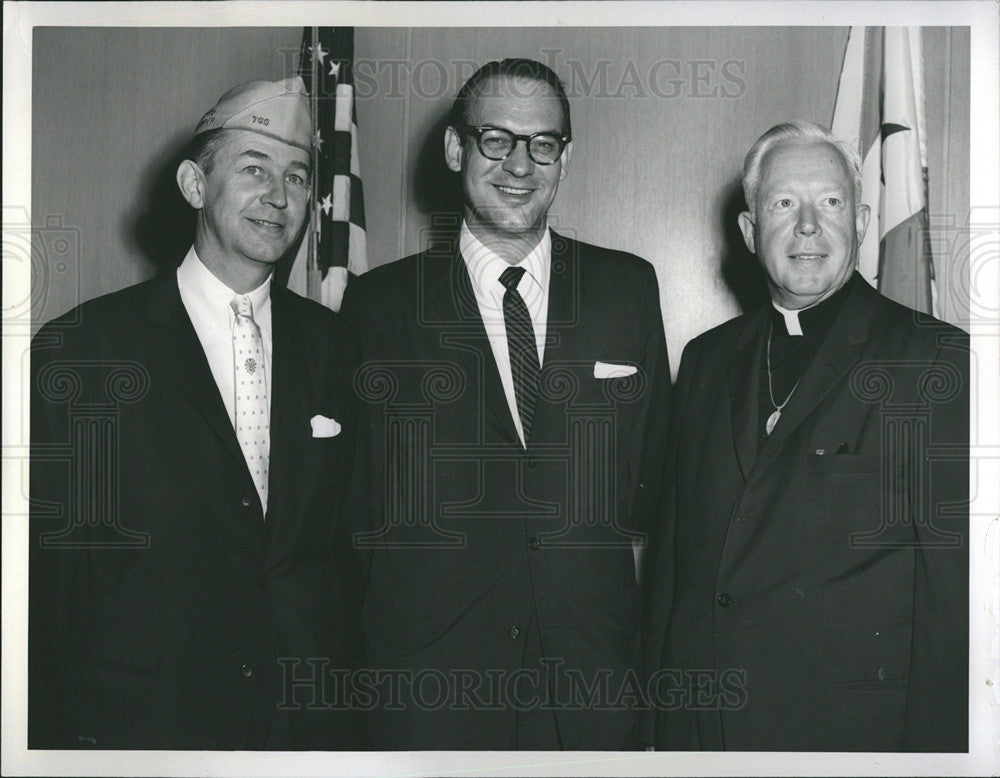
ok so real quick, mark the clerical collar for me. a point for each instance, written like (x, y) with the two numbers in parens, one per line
(814, 320)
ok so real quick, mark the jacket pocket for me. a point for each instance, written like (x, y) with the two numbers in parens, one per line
(833, 464)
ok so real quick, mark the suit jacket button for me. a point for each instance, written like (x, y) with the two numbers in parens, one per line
(534, 543)
(513, 633)
(724, 600)
(246, 670)
(531, 462)
(247, 501)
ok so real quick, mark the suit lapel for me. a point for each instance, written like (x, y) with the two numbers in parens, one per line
(453, 302)
(287, 398)
(564, 282)
(743, 383)
(176, 340)
(837, 353)
(562, 333)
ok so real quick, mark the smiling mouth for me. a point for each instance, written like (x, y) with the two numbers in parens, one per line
(514, 190)
(804, 257)
(268, 225)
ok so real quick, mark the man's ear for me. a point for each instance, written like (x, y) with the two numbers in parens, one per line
(565, 157)
(861, 222)
(453, 149)
(746, 227)
(191, 182)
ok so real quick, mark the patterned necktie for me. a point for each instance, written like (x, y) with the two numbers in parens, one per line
(252, 410)
(522, 347)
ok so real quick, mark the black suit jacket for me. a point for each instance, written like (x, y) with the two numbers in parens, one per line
(161, 599)
(479, 551)
(822, 584)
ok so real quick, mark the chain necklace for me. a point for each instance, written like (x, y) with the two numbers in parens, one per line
(772, 420)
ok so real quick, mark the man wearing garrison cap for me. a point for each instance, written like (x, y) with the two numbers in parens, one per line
(191, 440)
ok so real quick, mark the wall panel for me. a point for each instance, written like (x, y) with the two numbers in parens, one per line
(661, 119)
(111, 107)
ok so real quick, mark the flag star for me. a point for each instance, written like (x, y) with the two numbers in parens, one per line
(334, 68)
(318, 141)
(318, 52)
(327, 205)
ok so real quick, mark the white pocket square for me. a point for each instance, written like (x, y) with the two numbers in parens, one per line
(609, 370)
(323, 427)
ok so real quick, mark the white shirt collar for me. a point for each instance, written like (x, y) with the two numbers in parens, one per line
(791, 318)
(210, 294)
(485, 266)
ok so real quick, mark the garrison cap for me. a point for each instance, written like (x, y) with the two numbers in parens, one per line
(278, 109)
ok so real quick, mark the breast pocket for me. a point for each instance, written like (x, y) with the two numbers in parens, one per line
(322, 453)
(842, 464)
(844, 491)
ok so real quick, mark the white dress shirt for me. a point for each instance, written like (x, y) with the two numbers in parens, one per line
(207, 301)
(485, 268)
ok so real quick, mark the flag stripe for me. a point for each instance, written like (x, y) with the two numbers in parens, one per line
(871, 110)
(880, 109)
(344, 114)
(333, 286)
(904, 273)
(326, 63)
(357, 262)
(341, 158)
(357, 199)
(341, 211)
(847, 110)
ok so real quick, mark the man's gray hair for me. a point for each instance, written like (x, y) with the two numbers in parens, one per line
(796, 132)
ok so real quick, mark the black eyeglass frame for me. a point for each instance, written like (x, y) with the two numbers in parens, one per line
(478, 131)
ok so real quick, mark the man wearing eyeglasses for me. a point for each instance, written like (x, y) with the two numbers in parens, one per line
(517, 383)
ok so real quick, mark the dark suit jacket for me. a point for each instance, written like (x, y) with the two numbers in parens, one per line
(160, 598)
(825, 593)
(479, 551)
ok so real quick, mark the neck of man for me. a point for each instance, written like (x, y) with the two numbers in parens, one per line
(815, 319)
(510, 247)
(239, 273)
(799, 303)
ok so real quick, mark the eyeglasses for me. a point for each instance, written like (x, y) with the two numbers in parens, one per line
(495, 143)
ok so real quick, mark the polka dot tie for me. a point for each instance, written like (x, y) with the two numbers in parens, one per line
(252, 410)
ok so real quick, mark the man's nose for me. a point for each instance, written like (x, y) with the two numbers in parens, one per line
(519, 162)
(806, 223)
(275, 194)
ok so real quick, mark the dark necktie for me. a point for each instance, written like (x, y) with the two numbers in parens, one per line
(522, 348)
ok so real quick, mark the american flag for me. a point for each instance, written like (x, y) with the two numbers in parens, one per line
(880, 109)
(336, 242)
